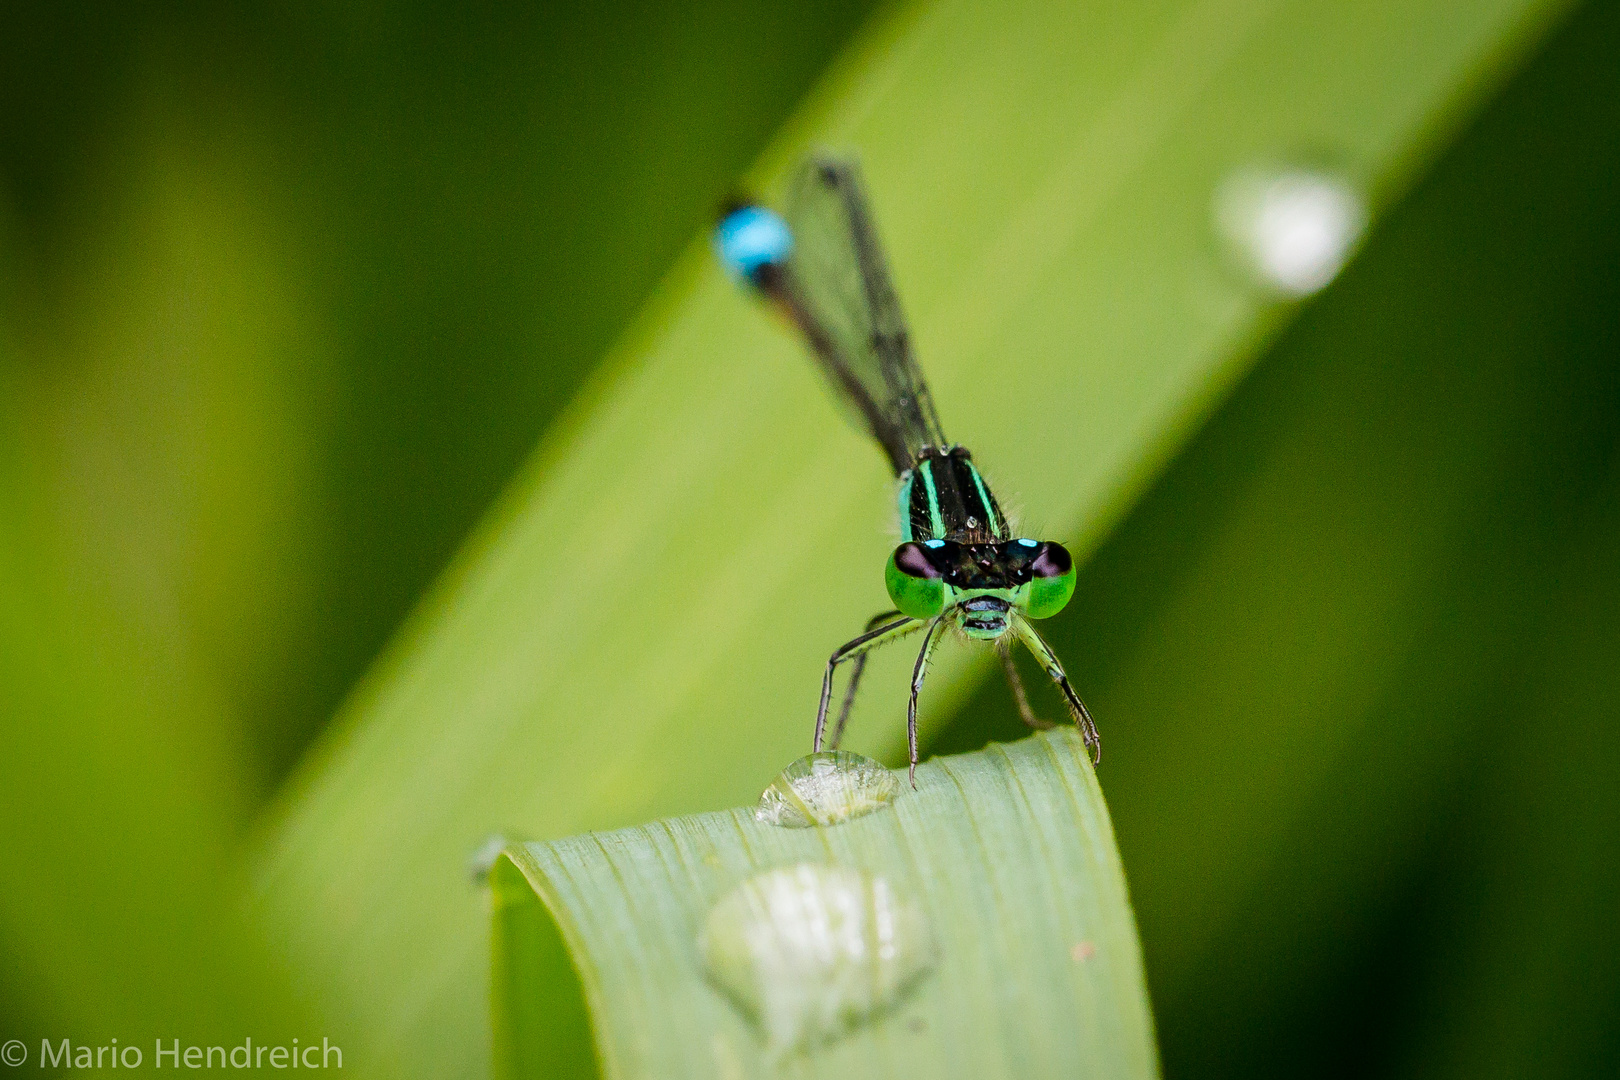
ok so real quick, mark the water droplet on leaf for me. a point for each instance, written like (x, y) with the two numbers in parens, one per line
(811, 951)
(1292, 228)
(826, 789)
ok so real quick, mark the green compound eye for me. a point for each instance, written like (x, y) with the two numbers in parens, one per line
(915, 584)
(1051, 581)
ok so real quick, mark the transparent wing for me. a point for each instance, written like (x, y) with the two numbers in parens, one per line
(836, 286)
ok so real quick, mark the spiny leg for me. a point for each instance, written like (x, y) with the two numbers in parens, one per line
(1048, 659)
(1014, 680)
(916, 684)
(855, 680)
(871, 639)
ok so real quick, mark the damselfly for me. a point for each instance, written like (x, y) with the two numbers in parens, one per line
(958, 563)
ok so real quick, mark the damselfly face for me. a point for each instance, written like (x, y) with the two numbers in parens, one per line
(981, 585)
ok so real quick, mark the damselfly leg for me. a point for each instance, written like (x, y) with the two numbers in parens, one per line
(1016, 681)
(858, 648)
(855, 679)
(1048, 660)
(916, 685)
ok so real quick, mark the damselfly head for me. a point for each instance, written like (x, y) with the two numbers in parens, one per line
(1034, 577)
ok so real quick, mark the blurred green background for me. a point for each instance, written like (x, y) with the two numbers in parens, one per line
(286, 297)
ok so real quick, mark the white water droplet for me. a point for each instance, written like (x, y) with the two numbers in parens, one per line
(810, 951)
(1292, 228)
(826, 789)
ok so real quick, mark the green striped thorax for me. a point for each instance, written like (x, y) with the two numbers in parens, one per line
(957, 555)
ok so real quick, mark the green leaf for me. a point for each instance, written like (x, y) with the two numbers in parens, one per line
(1008, 854)
(676, 563)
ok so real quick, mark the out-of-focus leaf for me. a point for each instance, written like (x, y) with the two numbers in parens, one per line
(1030, 958)
(680, 557)
(154, 440)
(1524, 978)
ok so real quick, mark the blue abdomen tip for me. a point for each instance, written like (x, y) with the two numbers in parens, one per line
(750, 238)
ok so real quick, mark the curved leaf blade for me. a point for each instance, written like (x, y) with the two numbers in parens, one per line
(1011, 855)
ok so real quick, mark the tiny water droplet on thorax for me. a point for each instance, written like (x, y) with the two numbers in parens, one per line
(1290, 227)
(809, 952)
(826, 789)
